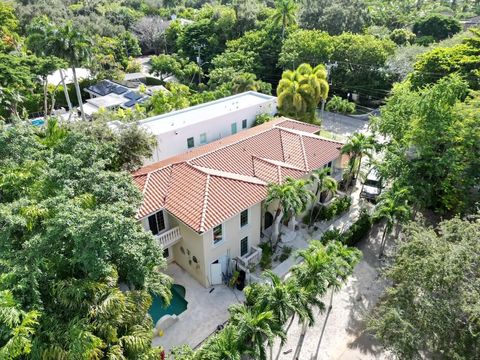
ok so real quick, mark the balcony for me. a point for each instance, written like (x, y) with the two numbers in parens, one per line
(169, 237)
(251, 259)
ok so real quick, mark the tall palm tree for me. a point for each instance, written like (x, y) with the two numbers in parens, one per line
(300, 91)
(393, 209)
(38, 41)
(74, 47)
(343, 260)
(357, 146)
(223, 346)
(291, 197)
(285, 14)
(254, 328)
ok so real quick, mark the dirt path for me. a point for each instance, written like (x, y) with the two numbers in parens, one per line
(343, 335)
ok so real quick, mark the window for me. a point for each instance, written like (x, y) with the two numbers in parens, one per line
(217, 234)
(166, 253)
(234, 128)
(244, 218)
(156, 222)
(244, 123)
(244, 246)
(203, 138)
(190, 142)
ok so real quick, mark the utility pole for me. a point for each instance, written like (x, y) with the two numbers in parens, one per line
(329, 67)
(199, 61)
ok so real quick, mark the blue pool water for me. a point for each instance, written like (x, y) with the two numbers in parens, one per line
(38, 122)
(176, 307)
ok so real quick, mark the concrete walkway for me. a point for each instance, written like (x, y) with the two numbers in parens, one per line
(301, 237)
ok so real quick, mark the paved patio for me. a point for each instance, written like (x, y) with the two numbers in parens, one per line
(206, 310)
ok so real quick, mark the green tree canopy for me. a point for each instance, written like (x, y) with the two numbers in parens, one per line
(432, 305)
(437, 26)
(463, 59)
(68, 240)
(435, 136)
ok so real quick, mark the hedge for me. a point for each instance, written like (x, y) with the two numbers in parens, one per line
(354, 234)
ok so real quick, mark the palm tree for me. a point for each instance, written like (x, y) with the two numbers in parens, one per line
(223, 346)
(244, 82)
(357, 146)
(392, 208)
(39, 35)
(285, 14)
(343, 260)
(74, 47)
(292, 198)
(254, 328)
(300, 91)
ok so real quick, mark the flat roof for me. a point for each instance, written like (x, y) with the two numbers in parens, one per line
(107, 100)
(199, 113)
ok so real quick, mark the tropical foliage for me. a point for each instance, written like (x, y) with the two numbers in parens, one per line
(301, 90)
(69, 244)
(437, 270)
(270, 307)
(434, 135)
(290, 198)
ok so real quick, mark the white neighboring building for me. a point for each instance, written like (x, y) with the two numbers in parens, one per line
(179, 131)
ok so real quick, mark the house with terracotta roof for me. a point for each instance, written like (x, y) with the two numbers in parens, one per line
(205, 206)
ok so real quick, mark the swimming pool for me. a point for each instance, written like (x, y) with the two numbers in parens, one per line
(176, 307)
(38, 122)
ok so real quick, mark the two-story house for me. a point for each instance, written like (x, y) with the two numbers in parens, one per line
(206, 205)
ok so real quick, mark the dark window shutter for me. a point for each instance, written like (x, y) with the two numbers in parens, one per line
(152, 222)
(160, 221)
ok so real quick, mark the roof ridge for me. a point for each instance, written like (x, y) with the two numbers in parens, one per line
(278, 163)
(304, 154)
(228, 175)
(205, 204)
(273, 126)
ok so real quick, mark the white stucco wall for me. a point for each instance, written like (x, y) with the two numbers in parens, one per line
(216, 124)
(233, 233)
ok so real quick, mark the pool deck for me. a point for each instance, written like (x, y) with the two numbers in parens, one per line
(206, 310)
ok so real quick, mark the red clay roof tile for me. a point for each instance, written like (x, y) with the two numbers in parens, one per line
(210, 184)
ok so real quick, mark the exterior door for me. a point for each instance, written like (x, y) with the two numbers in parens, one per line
(268, 220)
(216, 273)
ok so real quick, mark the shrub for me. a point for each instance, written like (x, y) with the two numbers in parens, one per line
(337, 207)
(402, 37)
(343, 106)
(331, 235)
(262, 118)
(358, 230)
(286, 251)
(437, 26)
(266, 260)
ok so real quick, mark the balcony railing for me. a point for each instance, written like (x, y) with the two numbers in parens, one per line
(169, 237)
(252, 258)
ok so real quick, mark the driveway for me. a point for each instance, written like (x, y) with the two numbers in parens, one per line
(342, 124)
